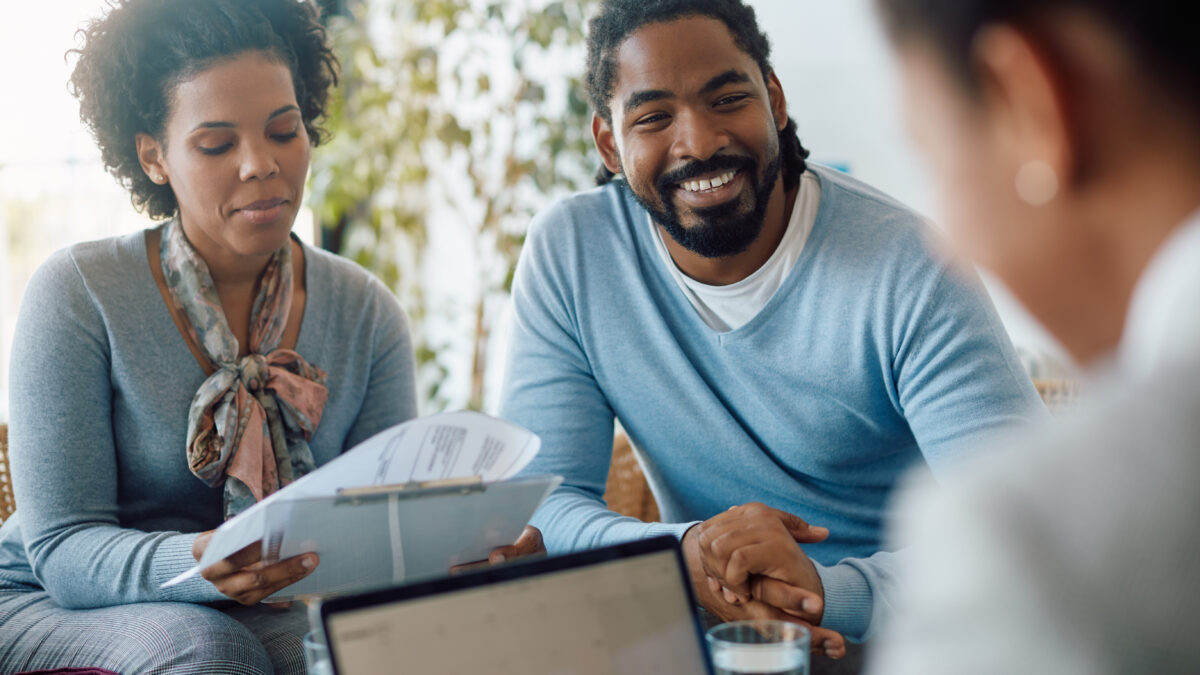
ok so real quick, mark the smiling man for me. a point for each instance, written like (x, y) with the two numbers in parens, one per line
(776, 338)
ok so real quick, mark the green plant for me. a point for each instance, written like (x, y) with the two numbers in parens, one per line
(464, 114)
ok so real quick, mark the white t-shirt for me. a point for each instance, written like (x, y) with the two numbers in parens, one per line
(726, 308)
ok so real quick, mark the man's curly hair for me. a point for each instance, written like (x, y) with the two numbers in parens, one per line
(132, 58)
(618, 19)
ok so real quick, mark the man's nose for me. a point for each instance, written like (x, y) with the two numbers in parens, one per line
(699, 136)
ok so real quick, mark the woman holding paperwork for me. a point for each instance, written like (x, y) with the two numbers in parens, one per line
(1065, 138)
(166, 380)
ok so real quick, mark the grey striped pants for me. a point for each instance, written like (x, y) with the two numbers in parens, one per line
(151, 638)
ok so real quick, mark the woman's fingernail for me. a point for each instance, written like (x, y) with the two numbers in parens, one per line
(498, 558)
(810, 605)
(307, 562)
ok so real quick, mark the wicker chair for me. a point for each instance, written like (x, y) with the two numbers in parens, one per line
(7, 503)
(628, 494)
(626, 491)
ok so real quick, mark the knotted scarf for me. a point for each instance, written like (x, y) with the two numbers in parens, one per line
(250, 421)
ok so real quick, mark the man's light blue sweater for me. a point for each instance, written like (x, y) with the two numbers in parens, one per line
(872, 358)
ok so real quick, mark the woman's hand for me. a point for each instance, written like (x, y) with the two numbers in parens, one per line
(243, 577)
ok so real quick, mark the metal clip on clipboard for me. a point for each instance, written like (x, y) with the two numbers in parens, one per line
(410, 490)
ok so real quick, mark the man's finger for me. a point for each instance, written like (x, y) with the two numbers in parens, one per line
(799, 602)
(801, 530)
(528, 544)
(827, 642)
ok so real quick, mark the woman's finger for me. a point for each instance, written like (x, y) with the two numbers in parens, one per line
(252, 584)
(232, 564)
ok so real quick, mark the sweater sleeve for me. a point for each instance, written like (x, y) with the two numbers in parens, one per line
(959, 384)
(64, 459)
(549, 388)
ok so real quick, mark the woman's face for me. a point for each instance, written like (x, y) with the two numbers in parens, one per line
(236, 155)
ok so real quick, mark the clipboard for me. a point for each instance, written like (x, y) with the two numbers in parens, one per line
(384, 535)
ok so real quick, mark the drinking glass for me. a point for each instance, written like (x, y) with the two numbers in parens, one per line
(316, 654)
(759, 648)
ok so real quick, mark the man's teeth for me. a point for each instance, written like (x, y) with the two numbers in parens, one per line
(700, 185)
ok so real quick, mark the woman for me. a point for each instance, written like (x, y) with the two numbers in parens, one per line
(1064, 136)
(166, 380)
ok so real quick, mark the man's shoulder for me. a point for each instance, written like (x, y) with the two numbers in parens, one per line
(600, 211)
(861, 203)
(862, 226)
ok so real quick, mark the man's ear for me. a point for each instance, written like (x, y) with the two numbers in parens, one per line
(778, 101)
(150, 156)
(606, 143)
(1025, 97)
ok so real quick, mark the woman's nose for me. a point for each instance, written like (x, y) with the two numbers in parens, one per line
(257, 162)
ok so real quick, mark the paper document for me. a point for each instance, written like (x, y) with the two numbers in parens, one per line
(410, 501)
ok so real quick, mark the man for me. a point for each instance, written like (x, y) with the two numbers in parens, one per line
(764, 331)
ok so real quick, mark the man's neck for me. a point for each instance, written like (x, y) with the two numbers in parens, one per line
(734, 268)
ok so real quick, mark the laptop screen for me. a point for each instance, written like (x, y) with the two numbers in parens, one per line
(596, 613)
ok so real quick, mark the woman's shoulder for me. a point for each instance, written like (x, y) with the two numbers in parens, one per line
(92, 266)
(341, 288)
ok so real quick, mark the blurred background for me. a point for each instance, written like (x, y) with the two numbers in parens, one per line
(455, 122)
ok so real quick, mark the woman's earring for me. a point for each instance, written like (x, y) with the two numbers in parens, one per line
(1037, 182)
(158, 178)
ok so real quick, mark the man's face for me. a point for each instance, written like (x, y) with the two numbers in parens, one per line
(695, 131)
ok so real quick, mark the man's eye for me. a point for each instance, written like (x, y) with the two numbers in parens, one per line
(215, 150)
(651, 119)
(728, 100)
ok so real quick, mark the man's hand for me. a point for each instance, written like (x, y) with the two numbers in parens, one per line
(755, 539)
(529, 543)
(766, 597)
(242, 577)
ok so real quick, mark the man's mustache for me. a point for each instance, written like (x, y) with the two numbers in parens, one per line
(697, 168)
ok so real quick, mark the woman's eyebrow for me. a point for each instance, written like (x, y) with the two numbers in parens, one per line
(230, 125)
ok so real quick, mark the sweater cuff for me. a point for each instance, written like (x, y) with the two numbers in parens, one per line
(676, 530)
(849, 602)
(172, 558)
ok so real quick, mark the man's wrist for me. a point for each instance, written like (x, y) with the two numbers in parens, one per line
(848, 600)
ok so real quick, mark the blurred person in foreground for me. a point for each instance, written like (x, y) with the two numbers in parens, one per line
(1065, 140)
(166, 380)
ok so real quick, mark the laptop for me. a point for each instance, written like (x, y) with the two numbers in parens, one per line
(619, 610)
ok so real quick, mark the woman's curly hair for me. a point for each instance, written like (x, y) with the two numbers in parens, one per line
(132, 58)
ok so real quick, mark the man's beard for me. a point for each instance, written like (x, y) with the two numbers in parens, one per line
(721, 230)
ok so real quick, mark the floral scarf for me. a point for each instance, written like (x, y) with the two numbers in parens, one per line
(249, 423)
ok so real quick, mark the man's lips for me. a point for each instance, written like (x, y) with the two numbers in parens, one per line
(712, 181)
(711, 189)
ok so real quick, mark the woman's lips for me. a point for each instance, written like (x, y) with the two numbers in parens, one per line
(263, 211)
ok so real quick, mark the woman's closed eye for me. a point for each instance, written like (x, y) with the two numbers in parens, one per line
(215, 150)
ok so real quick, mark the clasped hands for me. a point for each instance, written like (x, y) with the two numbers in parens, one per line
(746, 564)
